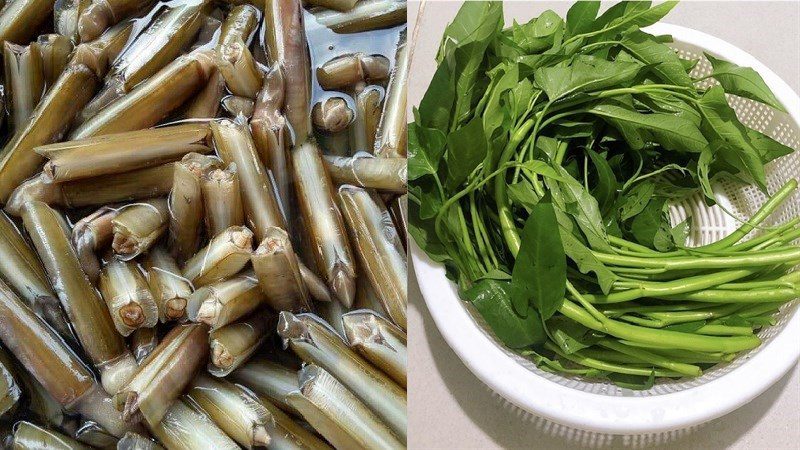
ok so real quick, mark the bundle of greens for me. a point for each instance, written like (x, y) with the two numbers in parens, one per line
(543, 158)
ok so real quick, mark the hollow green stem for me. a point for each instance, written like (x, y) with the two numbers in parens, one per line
(579, 358)
(652, 358)
(669, 338)
(766, 209)
(670, 288)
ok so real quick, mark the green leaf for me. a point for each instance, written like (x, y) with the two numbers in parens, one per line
(569, 335)
(586, 261)
(492, 300)
(425, 149)
(743, 81)
(634, 382)
(662, 58)
(672, 132)
(464, 46)
(437, 103)
(585, 74)
(570, 196)
(466, 148)
(539, 275)
(539, 34)
(605, 188)
(728, 136)
(768, 149)
(636, 200)
(645, 225)
(580, 17)
(425, 237)
(522, 194)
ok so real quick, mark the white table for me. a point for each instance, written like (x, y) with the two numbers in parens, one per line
(449, 407)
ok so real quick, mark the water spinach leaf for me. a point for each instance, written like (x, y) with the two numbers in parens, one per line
(539, 275)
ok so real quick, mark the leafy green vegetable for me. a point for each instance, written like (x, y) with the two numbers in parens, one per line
(542, 162)
(491, 299)
(540, 271)
(742, 81)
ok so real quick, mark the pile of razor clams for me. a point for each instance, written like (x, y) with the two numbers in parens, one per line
(202, 243)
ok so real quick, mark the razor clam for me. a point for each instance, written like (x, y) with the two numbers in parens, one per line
(278, 272)
(233, 344)
(205, 104)
(133, 185)
(101, 52)
(86, 310)
(28, 436)
(164, 374)
(366, 297)
(10, 391)
(288, 434)
(222, 200)
(240, 24)
(222, 303)
(122, 152)
(314, 341)
(234, 144)
(268, 379)
(22, 270)
(226, 254)
(336, 144)
(102, 14)
(65, 17)
(332, 115)
(234, 60)
(184, 428)
(186, 204)
(380, 251)
(379, 341)
(384, 174)
(165, 38)
(324, 222)
(398, 208)
(24, 80)
(368, 114)
(55, 50)
(138, 226)
(42, 405)
(285, 39)
(268, 126)
(48, 123)
(235, 106)
(347, 71)
(92, 434)
(316, 287)
(366, 15)
(143, 342)
(170, 289)
(48, 359)
(20, 19)
(128, 297)
(151, 100)
(339, 5)
(135, 441)
(239, 414)
(337, 414)
(391, 136)
(332, 314)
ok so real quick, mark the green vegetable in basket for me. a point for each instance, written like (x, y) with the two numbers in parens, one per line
(543, 160)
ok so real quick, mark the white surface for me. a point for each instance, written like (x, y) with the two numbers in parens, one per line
(423, 437)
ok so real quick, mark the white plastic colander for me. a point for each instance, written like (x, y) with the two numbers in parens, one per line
(669, 405)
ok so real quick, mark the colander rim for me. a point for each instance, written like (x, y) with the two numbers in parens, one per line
(602, 413)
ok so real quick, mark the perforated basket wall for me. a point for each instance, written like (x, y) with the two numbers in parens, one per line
(708, 225)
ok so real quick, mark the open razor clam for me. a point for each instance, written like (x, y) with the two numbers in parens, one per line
(175, 183)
